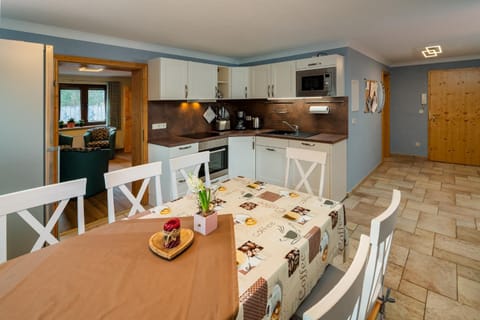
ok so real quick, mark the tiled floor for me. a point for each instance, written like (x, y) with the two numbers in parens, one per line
(434, 265)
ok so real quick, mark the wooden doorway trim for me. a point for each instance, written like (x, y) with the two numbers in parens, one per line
(386, 116)
(138, 99)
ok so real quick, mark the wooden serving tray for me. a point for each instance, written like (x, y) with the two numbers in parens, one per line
(156, 244)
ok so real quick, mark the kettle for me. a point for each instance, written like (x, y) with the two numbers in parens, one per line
(256, 123)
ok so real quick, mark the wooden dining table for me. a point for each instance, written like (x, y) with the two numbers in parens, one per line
(271, 246)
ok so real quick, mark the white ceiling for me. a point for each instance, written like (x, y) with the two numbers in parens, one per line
(391, 31)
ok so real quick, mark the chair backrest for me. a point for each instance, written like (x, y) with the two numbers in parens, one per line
(192, 162)
(315, 158)
(119, 179)
(19, 202)
(343, 301)
(381, 235)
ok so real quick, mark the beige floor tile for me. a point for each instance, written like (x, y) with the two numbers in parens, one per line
(351, 202)
(468, 273)
(461, 220)
(459, 247)
(469, 292)
(468, 234)
(440, 196)
(405, 224)
(459, 210)
(398, 255)
(404, 308)
(456, 258)
(412, 290)
(411, 214)
(440, 307)
(359, 218)
(415, 195)
(422, 243)
(417, 177)
(444, 178)
(393, 275)
(430, 185)
(376, 192)
(420, 206)
(468, 201)
(382, 202)
(351, 226)
(432, 273)
(469, 181)
(438, 224)
(359, 231)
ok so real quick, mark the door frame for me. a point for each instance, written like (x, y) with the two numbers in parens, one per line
(386, 116)
(139, 102)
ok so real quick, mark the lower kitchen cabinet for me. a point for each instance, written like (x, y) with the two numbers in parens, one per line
(241, 156)
(164, 154)
(270, 160)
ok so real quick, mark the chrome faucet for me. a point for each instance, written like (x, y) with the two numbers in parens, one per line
(294, 127)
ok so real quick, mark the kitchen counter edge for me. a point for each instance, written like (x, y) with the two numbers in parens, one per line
(174, 140)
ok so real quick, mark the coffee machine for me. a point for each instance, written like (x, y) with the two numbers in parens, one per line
(240, 121)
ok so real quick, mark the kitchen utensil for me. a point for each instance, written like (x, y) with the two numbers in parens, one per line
(209, 115)
(256, 123)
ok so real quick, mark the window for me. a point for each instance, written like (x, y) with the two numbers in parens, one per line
(85, 102)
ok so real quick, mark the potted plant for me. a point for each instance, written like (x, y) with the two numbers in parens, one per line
(61, 124)
(71, 123)
(206, 219)
(81, 122)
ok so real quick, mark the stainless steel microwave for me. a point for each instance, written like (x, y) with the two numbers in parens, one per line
(316, 82)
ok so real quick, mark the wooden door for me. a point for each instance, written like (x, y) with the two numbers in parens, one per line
(454, 116)
(127, 107)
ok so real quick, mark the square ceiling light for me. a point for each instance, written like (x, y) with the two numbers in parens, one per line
(432, 51)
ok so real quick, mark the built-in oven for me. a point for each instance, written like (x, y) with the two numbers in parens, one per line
(218, 165)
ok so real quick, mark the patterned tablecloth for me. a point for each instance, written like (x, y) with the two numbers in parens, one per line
(284, 242)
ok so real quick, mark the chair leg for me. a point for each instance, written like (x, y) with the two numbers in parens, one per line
(384, 300)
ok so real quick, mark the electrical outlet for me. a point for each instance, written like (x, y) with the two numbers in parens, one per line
(161, 125)
(417, 144)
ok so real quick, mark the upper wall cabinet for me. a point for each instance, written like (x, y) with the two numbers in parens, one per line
(319, 62)
(171, 79)
(239, 81)
(233, 82)
(275, 80)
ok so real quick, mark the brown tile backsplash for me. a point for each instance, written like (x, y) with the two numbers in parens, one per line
(187, 117)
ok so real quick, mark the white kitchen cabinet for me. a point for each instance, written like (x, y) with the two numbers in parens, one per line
(202, 80)
(259, 81)
(275, 80)
(335, 184)
(164, 154)
(171, 79)
(270, 160)
(241, 156)
(239, 81)
(282, 80)
(333, 60)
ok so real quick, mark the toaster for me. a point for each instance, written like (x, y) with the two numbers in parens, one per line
(222, 124)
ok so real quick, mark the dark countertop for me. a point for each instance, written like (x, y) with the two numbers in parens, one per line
(173, 140)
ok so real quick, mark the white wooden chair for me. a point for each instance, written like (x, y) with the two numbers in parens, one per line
(381, 235)
(119, 179)
(315, 158)
(192, 162)
(19, 202)
(343, 301)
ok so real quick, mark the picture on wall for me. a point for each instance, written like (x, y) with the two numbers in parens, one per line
(374, 96)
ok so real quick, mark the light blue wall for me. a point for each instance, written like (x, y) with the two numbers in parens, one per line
(364, 148)
(407, 125)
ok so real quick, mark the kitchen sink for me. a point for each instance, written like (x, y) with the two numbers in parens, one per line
(299, 134)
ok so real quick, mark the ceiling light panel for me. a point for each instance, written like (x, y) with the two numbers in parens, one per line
(432, 51)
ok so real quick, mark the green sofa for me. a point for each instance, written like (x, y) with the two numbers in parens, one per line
(90, 163)
(101, 137)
